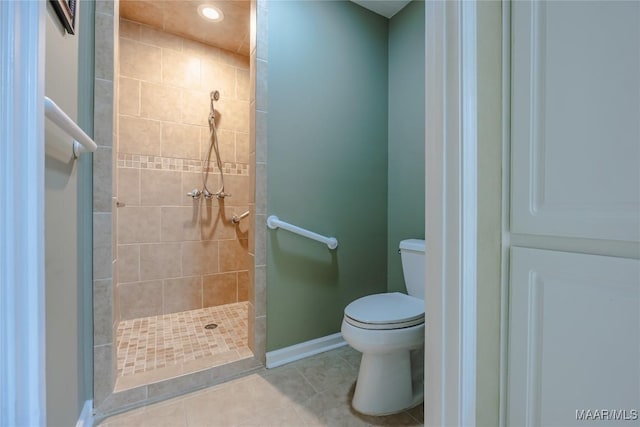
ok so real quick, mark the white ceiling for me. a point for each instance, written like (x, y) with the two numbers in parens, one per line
(386, 8)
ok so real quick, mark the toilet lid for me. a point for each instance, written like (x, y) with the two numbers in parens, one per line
(385, 311)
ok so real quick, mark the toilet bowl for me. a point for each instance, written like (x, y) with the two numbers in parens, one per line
(388, 329)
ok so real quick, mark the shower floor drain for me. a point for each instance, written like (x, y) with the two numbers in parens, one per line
(211, 326)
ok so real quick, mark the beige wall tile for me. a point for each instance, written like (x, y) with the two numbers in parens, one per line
(261, 85)
(128, 263)
(205, 137)
(138, 224)
(234, 115)
(261, 239)
(160, 188)
(252, 180)
(190, 181)
(102, 229)
(103, 111)
(160, 261)
(260, 290)
(218, 76)
(140, 299)
(262, 34)
(104, 6)
(160, 102)
(251, 338)
(160, 38)
(102, 317)
(226, 143)
(181, 141)
(102, 179)
(192, 47)
(251, 274)
(241, 230)
(180, 224)
(242, 84)
(252, 127)
(182, 294)
(140, 61)
(199, 257)
(195, 108)
(114, 234)
(215, 220)
(180, 70)
(242, 147)
(103, 361)
(233, 255)
(102, 263)
(104, 51)
(261, 136)
(261, 188)
(234, 59)
(243, 286)
(129, 98)
(252, 78)
(129, 29)
(252, 231)
(139, 136)
(260, 326)
(129, 186)
(238, 186)
(219, 289)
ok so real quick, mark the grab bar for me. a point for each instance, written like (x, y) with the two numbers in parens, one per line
(273, 222)
(81, 141)
(236, 219)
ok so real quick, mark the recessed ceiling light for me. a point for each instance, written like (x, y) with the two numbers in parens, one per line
(210, 12)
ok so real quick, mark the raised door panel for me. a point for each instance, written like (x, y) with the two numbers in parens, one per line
(576, 119)
(574, 337)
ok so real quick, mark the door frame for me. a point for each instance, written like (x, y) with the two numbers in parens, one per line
(451, 213)
(22, 256)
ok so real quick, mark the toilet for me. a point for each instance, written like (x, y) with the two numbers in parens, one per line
(388, 329)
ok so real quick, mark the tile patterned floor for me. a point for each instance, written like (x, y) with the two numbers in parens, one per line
(161, 342)
(315, 391)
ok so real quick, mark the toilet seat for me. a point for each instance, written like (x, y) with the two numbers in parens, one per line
(385, 311)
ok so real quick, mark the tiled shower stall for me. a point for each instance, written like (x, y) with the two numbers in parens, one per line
(176, 252)
(167, 265)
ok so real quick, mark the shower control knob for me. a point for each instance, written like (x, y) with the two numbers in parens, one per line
(195, 193)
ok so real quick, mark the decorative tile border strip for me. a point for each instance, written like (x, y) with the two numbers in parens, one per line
(140, 161)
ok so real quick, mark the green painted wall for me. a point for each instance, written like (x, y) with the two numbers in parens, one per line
(327, 154)
(67, 234)
(406, 135)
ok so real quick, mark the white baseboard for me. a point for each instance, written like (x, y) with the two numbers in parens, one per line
(305, 349)
(86, 416)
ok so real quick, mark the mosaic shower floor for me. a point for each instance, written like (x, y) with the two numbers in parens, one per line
(152, 349)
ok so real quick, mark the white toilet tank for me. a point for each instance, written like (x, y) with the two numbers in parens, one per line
(412, 253)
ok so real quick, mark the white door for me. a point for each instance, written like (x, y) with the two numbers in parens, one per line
(574, 287)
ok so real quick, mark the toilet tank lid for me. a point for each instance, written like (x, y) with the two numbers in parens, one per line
(416, 245)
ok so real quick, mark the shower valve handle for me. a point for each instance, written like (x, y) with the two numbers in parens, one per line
(195, 193)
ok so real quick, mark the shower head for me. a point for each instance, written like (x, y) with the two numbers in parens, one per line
(215, 95)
